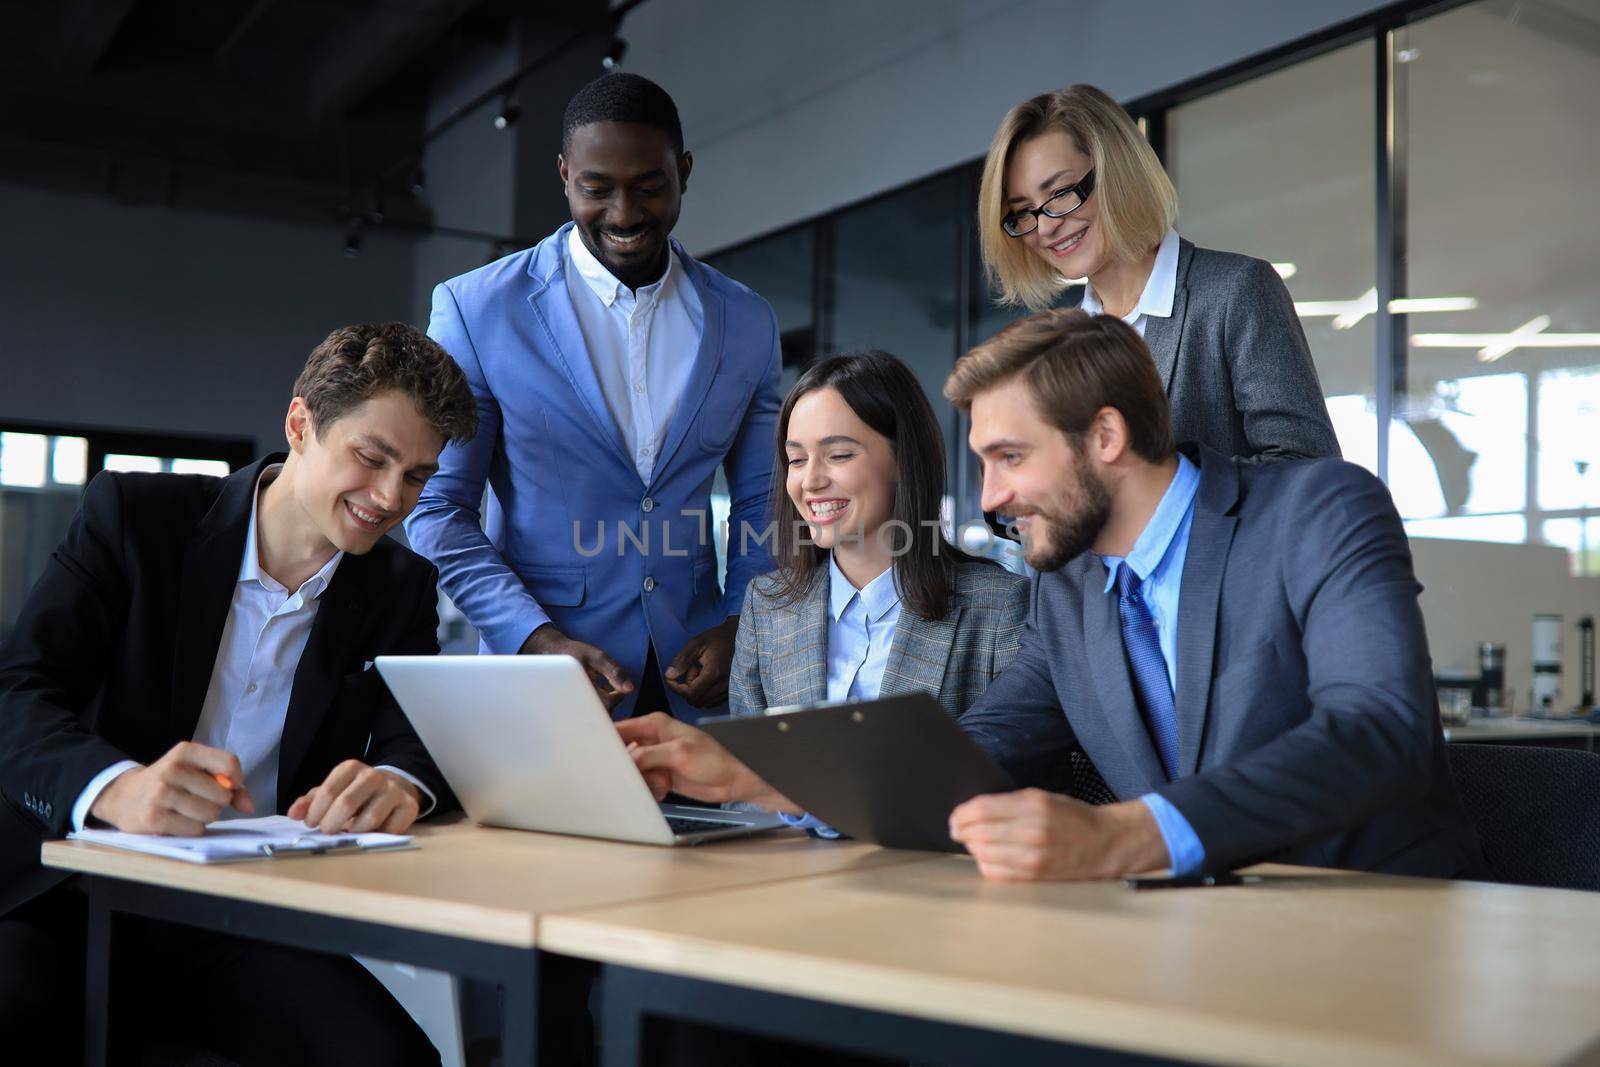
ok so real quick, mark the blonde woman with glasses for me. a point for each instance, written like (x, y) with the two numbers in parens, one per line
(1070, 190)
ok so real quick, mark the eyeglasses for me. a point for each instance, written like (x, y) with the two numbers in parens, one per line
(1059, 206)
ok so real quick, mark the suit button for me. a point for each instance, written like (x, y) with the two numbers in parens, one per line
(49, 809)
(648, 505)
(649, 585)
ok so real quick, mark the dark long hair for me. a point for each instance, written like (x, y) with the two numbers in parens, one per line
(884, 394)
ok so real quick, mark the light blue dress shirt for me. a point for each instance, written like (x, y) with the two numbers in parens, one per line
(861, 625)
(860, 630)
(1157, 558)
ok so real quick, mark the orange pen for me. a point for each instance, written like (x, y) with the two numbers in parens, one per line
(224, 781)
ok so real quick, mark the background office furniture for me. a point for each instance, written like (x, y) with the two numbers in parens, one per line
(1537, 812)
(1546, 733)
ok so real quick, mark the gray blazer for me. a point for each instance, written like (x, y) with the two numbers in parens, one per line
(1308, 730)
(781, 654)
(1235, 361)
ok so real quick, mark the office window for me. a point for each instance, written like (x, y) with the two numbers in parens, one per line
(894, 286)
(1282, 168)
(1503, 390)
(782, 269)
(43, 470)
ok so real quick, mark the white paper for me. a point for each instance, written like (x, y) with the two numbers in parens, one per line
(242, 839)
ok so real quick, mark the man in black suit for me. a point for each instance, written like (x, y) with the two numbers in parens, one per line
(192, 629)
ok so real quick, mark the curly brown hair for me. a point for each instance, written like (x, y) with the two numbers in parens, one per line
(353, 364)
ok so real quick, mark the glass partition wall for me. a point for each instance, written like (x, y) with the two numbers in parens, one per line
(1422, 180)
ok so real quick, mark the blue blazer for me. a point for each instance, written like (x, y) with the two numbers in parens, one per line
(1308, 729)
(569, 534)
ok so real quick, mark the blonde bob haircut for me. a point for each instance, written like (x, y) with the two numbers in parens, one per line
(1136, 202)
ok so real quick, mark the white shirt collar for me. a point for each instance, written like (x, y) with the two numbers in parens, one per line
(877, 596)
(250, 565)
(1160, 289)
(604, 284)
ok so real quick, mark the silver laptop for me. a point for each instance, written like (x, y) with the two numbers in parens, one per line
(525, 742)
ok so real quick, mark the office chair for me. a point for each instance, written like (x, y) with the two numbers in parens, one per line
(1537, 811)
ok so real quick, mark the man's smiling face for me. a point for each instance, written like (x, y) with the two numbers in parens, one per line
(624, 183)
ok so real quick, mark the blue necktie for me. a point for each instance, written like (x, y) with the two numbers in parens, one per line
(1149, 668)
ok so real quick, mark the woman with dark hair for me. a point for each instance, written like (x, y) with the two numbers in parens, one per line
(869, 598)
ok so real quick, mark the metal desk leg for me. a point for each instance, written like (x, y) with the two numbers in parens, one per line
(623, 1013)
(97, 981)
(519, 1024)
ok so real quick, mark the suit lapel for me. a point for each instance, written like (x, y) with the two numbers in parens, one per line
(1200, 600)
(1108, 664)
(806, 623)
(919, 653)
(1163, 335)
(210, 571)
(335, 633)
(706, 361)
(552, 305)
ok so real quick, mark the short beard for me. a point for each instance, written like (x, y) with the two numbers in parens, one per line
(1074, 528)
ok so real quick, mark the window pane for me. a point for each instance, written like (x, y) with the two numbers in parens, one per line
(1282, 167)
(1501, 217)
(214, 467)
(34, 513)
(1509, 529)
(1480, 68)
(1569, 438)
(69, 464)
(1581, 537)
(22, 459)
(781, 269)
(1464, 449)
(118, 461)
(894, 270)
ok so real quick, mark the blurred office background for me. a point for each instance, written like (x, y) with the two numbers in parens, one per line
(193, 194)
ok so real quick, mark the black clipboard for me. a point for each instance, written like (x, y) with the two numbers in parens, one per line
(886, 771)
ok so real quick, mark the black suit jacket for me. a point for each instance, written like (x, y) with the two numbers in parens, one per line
(1308, 730)
(113, 652)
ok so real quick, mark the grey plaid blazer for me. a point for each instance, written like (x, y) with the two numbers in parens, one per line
(781, 655)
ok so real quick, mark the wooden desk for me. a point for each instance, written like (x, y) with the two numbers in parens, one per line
(468, 901)
(929, 962)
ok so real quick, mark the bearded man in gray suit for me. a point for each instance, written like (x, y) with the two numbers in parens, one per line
(1238, 647)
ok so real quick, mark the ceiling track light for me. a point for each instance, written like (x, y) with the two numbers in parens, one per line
(353, 234)
(614, 53)
(509, 111)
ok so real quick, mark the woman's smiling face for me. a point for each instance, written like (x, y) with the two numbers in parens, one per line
(1074, 246)
(841, 471)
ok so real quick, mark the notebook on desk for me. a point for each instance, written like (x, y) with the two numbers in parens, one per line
(233, 840)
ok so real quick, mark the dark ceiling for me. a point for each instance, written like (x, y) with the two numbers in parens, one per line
(298, 108)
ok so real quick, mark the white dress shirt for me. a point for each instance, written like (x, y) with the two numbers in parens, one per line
(861, 625)
(643, 345)
(1159, 289)
(247, 700)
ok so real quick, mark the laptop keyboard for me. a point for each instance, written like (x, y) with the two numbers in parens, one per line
(679, 824)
